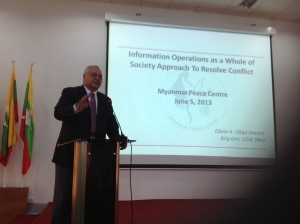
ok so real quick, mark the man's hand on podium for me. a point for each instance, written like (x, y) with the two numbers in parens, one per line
(123, 142)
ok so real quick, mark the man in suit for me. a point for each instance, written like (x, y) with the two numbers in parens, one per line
(73, 109)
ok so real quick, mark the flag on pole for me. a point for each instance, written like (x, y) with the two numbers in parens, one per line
(9, 135)
(27, 125)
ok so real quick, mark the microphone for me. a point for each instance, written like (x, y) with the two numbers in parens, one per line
(122, 136)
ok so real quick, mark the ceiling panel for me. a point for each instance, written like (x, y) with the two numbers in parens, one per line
(156, 3)
(224, 3)
(275, 5)
(270, 9)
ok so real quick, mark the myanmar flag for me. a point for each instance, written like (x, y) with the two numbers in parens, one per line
(9, 136)
(27, 125)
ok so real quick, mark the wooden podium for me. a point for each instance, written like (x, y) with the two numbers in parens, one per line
(95, 177)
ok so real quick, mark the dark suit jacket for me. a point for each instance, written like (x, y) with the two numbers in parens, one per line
(76, 126)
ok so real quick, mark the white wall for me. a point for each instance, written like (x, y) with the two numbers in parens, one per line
(62, 37)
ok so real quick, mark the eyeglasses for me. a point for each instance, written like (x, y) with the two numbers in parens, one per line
(95, 75)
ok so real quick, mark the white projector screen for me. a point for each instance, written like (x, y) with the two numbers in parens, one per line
(192, 97)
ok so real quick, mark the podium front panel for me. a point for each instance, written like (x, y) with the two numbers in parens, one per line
(99, 203)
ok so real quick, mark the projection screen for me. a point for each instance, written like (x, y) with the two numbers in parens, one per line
(192, 97)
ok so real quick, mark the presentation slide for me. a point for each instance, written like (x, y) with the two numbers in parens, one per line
(190, 96)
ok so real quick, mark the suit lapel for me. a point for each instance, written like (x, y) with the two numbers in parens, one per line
(82, 92)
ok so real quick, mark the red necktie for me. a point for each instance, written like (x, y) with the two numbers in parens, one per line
(93, 114)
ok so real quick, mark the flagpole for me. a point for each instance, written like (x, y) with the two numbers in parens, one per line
(4, 182)
(4, 178)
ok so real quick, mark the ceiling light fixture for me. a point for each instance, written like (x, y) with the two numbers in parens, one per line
(247, 4)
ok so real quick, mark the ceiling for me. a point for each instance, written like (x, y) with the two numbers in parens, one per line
(268, 9)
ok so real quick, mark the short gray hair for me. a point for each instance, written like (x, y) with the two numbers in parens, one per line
(91, 66)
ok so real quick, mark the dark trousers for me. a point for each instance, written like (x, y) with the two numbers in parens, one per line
(62, 199)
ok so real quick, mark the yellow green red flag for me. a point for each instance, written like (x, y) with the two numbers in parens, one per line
(27, 125)
(9, 135)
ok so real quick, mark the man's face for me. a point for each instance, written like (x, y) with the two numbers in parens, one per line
(92, 78)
